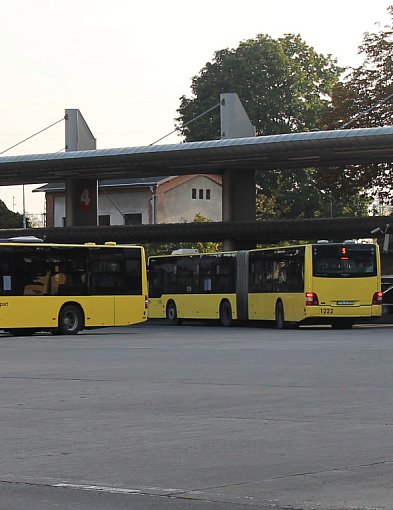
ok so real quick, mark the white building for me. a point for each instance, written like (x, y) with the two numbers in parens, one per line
(145, 200)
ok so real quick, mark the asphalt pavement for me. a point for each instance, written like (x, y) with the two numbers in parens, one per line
(198, 417)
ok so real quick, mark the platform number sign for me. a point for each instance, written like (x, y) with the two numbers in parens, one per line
(86, 197)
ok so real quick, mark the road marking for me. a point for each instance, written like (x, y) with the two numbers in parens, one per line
(148, 491)
(98, 488)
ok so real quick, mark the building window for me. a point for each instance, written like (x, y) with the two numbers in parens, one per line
(193, 193)
(104, 220)
(133, 219)
(63, 221)
(207, 194)
(201, 194)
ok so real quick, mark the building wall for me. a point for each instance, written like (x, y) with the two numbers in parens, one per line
(125, 202)
(58, 210)
(172, 201)
(49, 209)
(113, 204)
(175, 202)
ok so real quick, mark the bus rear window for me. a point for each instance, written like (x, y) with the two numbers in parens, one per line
(344, 261)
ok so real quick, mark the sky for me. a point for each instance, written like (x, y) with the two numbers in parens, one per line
(125, 64)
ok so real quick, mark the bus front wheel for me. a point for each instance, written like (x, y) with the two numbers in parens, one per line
(171, 314)
(225, 314)
(70, 320)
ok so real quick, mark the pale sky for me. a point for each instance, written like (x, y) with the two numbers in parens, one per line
(124, 64)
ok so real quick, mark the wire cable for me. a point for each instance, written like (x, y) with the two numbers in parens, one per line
(187, 123)
(360, 114)
(35, 134)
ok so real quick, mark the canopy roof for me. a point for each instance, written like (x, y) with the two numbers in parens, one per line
(294, 150)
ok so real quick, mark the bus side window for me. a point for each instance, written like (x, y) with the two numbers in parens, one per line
(257, 282)
(57, 280)
(226, 269)
(187, 275)
(6, 273)
(208, 273)
(32, 271)
(39, 286)
(132, 271)
(107, 275)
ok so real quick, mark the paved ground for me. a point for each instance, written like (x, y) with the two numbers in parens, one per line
(198, 417)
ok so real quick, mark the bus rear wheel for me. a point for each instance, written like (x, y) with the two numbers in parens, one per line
(171, 314)
(70, 320)
(225, 314)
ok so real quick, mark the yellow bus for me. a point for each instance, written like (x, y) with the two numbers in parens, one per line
(322, 283)
(66, 288)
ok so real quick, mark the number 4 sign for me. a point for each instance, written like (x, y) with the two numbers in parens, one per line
(85, 198)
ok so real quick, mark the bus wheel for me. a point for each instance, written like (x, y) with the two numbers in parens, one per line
(171, 314)
(225, 314)
(22, 331)
(280, 317)
(70, 320)
(342, 324)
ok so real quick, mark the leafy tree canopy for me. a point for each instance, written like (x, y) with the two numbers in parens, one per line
(360, 99)
(364, 98)
(285, 86)
(9, 219)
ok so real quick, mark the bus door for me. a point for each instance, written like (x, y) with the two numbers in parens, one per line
(242, 258)
(128, 305)
(105, 279)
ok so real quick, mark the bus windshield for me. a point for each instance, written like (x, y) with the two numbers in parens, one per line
(344, 261)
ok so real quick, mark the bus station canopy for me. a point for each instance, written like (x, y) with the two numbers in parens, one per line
(294, 150)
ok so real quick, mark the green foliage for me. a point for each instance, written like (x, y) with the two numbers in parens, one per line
(167, 248)
(9, 219)
(363, 99)
(283, 84)
(357, 98)
(310, 193)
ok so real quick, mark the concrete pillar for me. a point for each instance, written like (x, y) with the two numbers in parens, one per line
(238, 187)
(81, 197)
(81, 202)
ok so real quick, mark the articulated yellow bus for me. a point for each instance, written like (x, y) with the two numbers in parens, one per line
(323, 283)
(66, 288)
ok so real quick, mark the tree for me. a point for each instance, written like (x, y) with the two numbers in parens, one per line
(285, 86)
(364, 98)
(9, 219)
(360, 99)
(297, 195)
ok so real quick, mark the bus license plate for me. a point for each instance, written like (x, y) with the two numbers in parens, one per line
(345, 303)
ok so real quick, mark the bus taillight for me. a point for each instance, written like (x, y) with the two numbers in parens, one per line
(377, 298)
(311, 299)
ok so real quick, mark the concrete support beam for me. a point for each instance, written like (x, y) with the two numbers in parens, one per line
(81, 202)
(239, 203)
(238, 189)
(81, 197)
